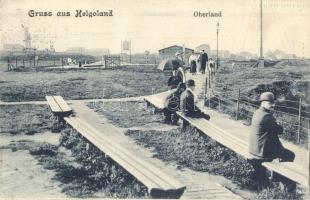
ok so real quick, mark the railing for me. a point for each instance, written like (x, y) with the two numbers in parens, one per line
(239, 108)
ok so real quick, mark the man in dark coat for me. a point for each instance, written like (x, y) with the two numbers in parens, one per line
(264, 141)
(172, 104)
(187, 102)
(177, 61)
(203, 59)
(173, 80)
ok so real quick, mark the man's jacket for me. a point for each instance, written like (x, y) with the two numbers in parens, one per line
(187, 102)
(264, 140)
(203, 59)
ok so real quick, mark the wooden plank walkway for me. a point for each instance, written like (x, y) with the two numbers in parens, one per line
(196, 183)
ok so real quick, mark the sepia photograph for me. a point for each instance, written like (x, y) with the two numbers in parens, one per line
(154, 99)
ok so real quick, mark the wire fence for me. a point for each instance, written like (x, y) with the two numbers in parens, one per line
(293, 119)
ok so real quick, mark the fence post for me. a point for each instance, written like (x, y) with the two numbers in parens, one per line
(15, 62)
(237, 111)
(206, 92)
(209, 94)
(105, 62)
(23, 62)
(9, 64)
(299, 122)
(209, 80)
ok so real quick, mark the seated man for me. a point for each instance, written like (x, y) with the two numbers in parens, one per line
(187, 102)
(264, 141)
(173, 81)
(172, 104)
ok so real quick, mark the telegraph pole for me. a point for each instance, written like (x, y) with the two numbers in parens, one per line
(130, 52)
(261, 56)
(217, 44)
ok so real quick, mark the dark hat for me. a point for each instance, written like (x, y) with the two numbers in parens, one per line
(267, 96)
(181, 86)
(190, 82)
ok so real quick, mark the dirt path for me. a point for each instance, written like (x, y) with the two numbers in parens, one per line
(140, 98)
(199, 185)
(21, 175)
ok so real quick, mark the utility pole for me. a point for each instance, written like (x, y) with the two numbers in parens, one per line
(261, 57)
(217, 44)
(130, 52)
(303, 50)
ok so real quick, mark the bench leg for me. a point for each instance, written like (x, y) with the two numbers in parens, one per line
(185, 124)
(260, 174)
(285, 182)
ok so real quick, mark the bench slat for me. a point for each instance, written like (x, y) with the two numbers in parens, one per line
(223, 138)
(154, 171)
(153, 178)
(54, 106)
(288, 170)
(158, 100)
(63, 105)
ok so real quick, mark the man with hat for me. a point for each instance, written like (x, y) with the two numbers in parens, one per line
(264, 141)
(203, 60)
(187, 102)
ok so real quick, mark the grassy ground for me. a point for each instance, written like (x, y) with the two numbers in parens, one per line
(189, 149)
(81, 84)
(287, 81)
(26, 119)
(127, 114)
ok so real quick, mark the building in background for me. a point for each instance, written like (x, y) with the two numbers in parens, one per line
(13, 47)
(169, 52)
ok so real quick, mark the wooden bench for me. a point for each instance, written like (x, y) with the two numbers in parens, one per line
(159, 184)
(290, 170)
(158, 100)
(58, 105)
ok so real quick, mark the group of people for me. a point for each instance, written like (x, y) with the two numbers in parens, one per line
(264, 136)
(183, 99)
(203, 60)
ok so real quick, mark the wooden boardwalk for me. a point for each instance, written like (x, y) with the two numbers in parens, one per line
(198, 187)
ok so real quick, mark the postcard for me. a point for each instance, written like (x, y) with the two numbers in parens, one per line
(131, 99)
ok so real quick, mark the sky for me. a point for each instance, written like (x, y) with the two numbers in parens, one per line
(154, 24)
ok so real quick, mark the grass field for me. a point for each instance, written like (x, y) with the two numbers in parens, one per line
(81, 84)
(289, 81)
(25, 119)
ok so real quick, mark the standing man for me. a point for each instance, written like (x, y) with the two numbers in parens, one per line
(203, 59)
(264, 141)
(187, 102)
